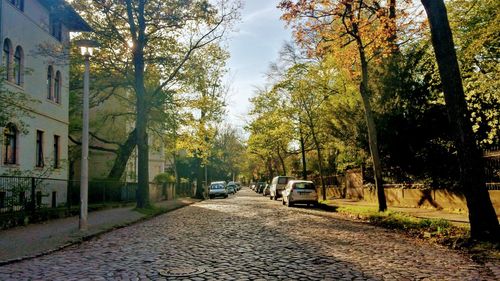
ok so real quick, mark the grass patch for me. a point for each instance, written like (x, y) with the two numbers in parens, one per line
(439, 231)
(424, 228)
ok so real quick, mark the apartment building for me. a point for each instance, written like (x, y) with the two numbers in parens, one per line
(35, 37)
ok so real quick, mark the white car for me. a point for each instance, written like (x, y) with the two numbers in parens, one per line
(277, 186)
(300, 192)
(217, 189)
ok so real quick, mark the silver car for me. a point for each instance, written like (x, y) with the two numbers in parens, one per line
(217, 189)
(300, 191)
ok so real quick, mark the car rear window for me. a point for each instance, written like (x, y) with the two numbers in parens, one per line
(217, 186)
(304, 185)
(283, 180)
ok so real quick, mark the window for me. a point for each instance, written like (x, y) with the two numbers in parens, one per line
(18, 4)
(10, 145)
(49, 82)
(56, 151)
(283, 180)
(56, 28)
(2, 199)
(304, 185)
(18, 65)
(54, 199)
(39, 149)
(6, 60)
(57, 87)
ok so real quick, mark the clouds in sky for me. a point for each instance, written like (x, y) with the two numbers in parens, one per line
(256, 43)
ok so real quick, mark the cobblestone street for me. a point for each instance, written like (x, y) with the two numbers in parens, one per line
(249, 237)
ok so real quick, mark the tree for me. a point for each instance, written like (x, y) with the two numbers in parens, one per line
(482, 217)
(204, 95)
(307, 92)
(271, 129)
(157, 35)
(227, 154)
(326, 25)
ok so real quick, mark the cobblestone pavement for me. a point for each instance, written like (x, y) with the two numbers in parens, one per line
(249, 237)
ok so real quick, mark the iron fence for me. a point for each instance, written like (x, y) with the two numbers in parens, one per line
(492, 168)
(102, 192)
(30, 193)
(31, 199)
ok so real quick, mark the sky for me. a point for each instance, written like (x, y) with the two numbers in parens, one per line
(253, 46)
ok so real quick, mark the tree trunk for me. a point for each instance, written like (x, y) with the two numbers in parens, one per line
(122, 156)
(282, 161)
(392, 27)
(176, 174)
(483, 221)
(370, 122)
(142, 103)
(270, 170)
(200, 176)
(303, 152)
(372, 130)
(320, 164)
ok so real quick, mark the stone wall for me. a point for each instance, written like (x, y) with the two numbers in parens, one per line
(439, 199)
(160, 192)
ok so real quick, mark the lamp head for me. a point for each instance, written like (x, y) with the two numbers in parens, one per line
(87, 46)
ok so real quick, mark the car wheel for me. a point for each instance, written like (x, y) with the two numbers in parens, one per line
(289, 204)
(283, 202)
(270, 197)
(225, 196)
(275, 197)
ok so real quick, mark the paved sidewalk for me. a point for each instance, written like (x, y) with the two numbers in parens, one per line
(38, 239)
(455, 218)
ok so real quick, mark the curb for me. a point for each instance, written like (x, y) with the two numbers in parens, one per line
(84, 238)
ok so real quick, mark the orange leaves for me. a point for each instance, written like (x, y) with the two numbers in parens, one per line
(376, 25)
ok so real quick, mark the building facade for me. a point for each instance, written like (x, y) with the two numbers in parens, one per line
(35, 37)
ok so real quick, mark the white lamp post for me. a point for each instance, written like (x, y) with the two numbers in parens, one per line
(87, 49)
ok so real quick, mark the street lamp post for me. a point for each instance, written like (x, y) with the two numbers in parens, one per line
(86, 47)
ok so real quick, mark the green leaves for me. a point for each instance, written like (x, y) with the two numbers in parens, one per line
(477, 35)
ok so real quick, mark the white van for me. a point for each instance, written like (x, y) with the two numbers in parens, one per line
(278, 185)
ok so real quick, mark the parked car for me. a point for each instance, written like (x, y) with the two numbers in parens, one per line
(266, 191)
(238, 185)
(252, 186)
(231, 188)
(277, 186)
(260, 187)
(300, 191)
(217, 189)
